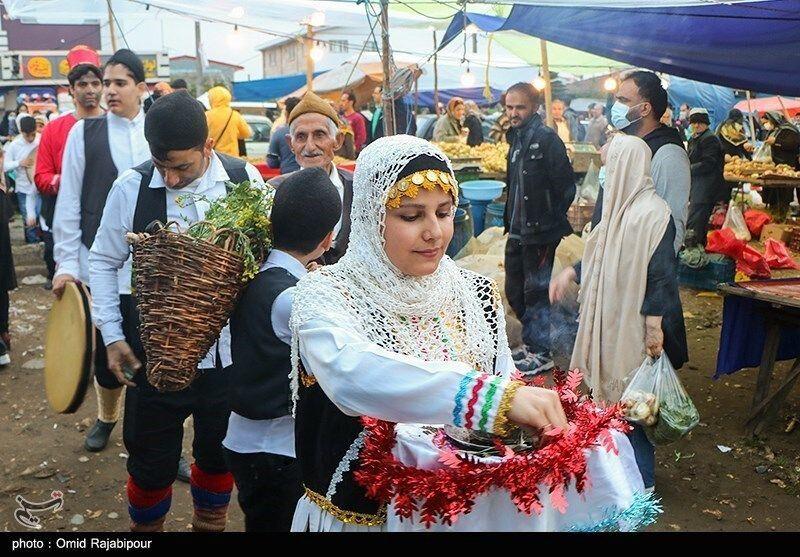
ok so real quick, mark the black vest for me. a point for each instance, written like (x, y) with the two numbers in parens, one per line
(151, 205)
(261, 364)
(98, 176)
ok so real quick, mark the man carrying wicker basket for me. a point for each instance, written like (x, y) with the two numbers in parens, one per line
(190, 175)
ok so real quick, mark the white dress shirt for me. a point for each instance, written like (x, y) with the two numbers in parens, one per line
(16, 152)
(275, 436)
(128, 148)
(337, 181)
(110, 252)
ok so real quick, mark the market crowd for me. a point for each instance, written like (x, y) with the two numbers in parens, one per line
(356, 311)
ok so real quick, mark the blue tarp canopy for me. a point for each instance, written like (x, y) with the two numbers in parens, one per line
(268, 88)
(714, 98)
(466, 93)
(752, 45)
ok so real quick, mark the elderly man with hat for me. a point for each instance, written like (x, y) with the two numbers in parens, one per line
(707, 166)
(86, 87)
(314, 137)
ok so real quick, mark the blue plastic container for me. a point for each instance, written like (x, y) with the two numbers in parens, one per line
(480, 193)
(461, 232)
(494, 214)
(709, 277)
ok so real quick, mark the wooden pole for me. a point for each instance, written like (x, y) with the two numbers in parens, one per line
(750, 118)
(548, 88)
(388, 96)
(783, 107)
(111, 26)
(435, 76)
(198, 51)
(309, 44)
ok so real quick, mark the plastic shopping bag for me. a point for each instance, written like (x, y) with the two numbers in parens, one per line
(756, 220)
(656, 399)
(777, 256)
(735, 221)
(763, 153)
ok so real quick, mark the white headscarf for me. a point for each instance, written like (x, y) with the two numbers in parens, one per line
(610, 341)
(441, 316)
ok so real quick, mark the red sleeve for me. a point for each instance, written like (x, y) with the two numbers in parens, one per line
(359, 131)
(48, 169)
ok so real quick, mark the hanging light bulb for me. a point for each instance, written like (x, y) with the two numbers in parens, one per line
(234, 38)
(467, 78)
(539, 83)
(237, 12)
(610, 84)
(317, 53)
(317, 19)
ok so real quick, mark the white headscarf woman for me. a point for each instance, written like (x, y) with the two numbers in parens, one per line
(396, 331)
(611, 340)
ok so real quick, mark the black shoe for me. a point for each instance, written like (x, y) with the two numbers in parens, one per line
(5, 359)
(184, 470)
(97, 438)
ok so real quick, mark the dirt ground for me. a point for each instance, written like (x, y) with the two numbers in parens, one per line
(714, 480)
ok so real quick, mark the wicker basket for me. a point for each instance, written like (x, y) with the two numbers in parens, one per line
(186, 290)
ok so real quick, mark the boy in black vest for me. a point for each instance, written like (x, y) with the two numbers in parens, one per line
(183, 164)
(260, 441)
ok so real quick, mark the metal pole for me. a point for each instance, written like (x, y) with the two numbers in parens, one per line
(388, 96)
(197, 50)
(111, 26)
(548, 89)
(309, 44)
(435, 76)
(750, 118)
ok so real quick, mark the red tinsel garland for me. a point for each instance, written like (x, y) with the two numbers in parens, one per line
(446, 493)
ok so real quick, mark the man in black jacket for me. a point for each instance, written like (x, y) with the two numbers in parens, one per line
(541, 188)
(708, 185)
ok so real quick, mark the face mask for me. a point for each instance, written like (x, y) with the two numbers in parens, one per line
(619, 115)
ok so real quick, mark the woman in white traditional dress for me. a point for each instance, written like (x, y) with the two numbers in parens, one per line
(396, 331)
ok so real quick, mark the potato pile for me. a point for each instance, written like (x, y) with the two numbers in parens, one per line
(492, 155)
(455, 150)
(738, 166)
(641, 407)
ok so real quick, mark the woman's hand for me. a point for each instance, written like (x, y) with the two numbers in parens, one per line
(537, 408)
(560, 284)
(653, 336)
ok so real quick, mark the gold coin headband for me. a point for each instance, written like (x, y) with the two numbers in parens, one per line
(428, 179)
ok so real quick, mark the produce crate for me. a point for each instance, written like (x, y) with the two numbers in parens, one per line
(579, 215)
(793, 243)
(708, 277)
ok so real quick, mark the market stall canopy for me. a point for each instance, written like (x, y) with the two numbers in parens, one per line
(268, 88)
(716, 99)
(280, 16)
(362, 77)
(476, 94)
(709, 43)
(770, 104)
